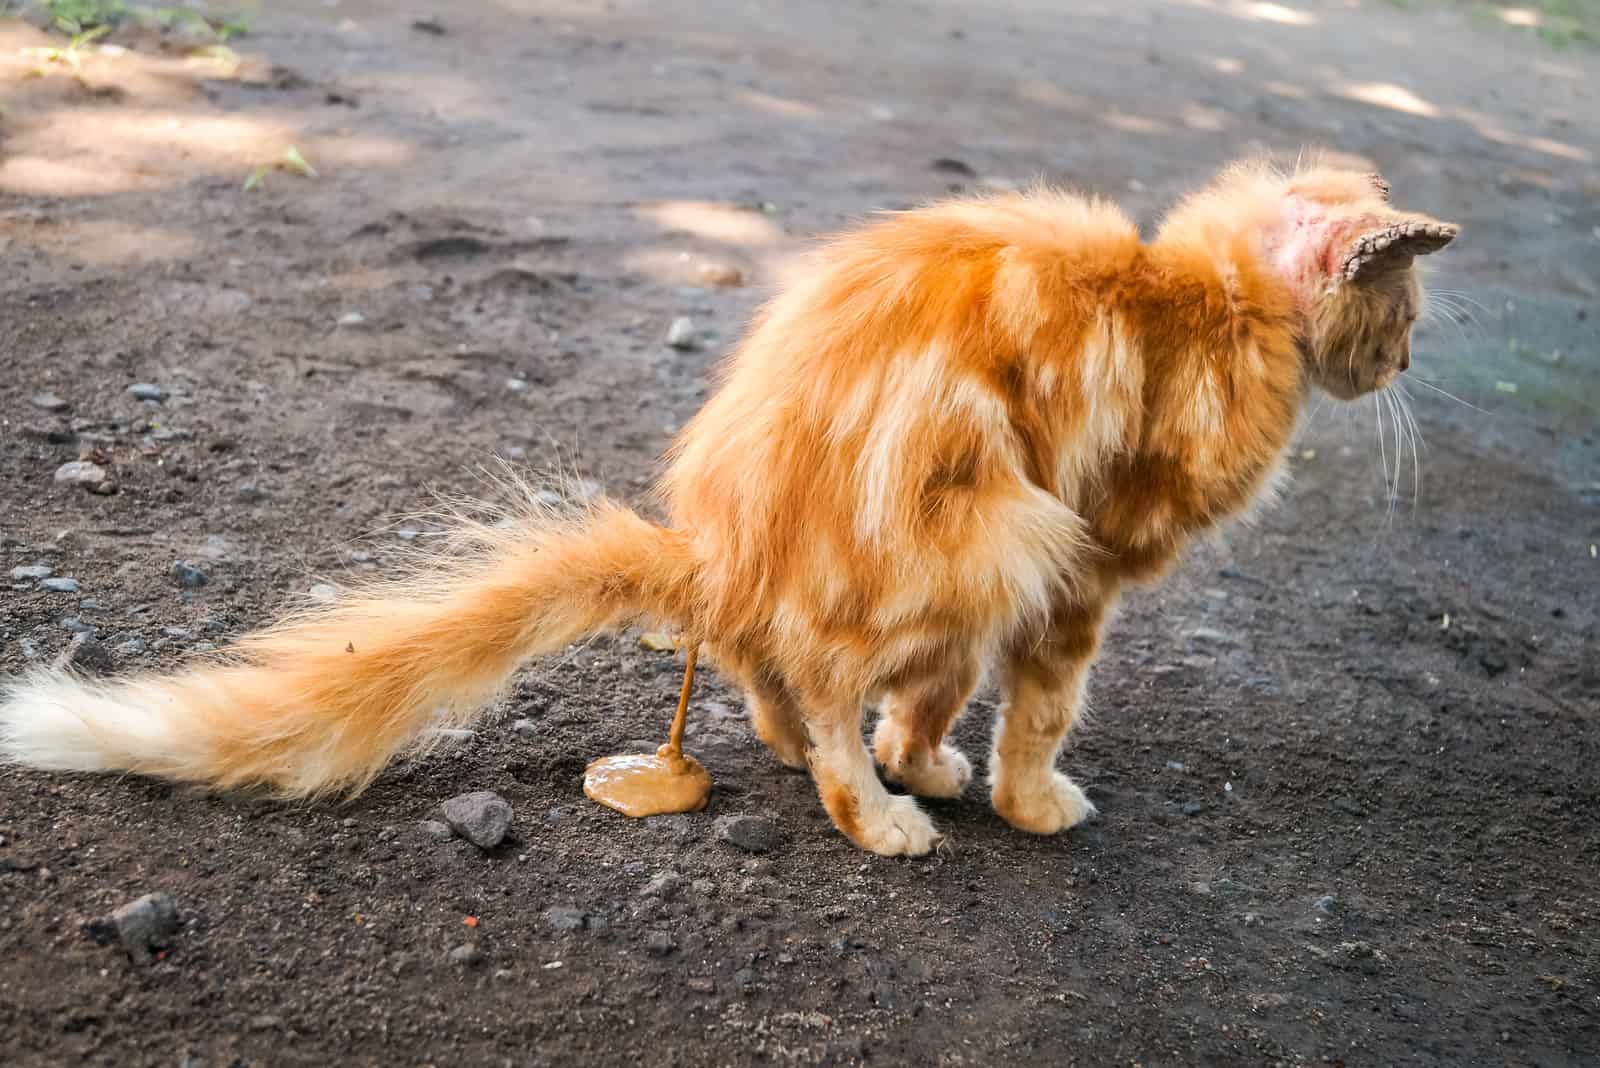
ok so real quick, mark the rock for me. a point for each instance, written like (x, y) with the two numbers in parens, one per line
(745, 978)
(145, 925)
(435, 829)
(1325, 903)
(354, 318)
(565, 918)
(1210, 634)
(25, 572)
(1176, 765)
(265, 1022)
(132, 647)
(681, 334)
(524, 728)
(249, 493)
(721, 274)
(178, 634)
(753, 834)
(60, 585)
(705, 887)
(482, 818)
(324, 592)
(49, 402)
(659, 944)
(467, 955)
(684, 829)
(701, 985)
(146, 391)
(90, 476)
(517, 385)
(84, 653)
(187, 576)
(1193, 808)
(77, 626)
(665, 886)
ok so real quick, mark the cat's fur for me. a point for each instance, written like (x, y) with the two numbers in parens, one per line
(947, 448)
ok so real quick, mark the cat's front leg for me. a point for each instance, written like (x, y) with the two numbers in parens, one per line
(1043, 685)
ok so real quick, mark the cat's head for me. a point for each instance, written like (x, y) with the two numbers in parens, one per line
(1352, 260)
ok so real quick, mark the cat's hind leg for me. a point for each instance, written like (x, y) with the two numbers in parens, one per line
(847, 782)
(1043, 687)
(910, 737)
(777, 722)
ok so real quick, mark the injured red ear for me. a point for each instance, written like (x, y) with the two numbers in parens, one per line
(1394, 245)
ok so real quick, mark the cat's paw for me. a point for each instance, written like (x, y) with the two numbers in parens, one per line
(944, 772)
(941, 772)
(898, 828)
(1051, 805)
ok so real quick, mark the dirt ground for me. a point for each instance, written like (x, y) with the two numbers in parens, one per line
(1346, 759)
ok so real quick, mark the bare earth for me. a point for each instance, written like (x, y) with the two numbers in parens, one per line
(1347, 759)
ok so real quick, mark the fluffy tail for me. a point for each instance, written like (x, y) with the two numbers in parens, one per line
(325, 699)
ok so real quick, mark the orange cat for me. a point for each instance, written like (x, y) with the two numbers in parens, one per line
(947, 448)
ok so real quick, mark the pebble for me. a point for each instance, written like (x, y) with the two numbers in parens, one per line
(1211, 634)
(178, 634)
(705, 887)
(565, 918)
(753, 834)
(721, 274)
(324, 592)
(48, 401)
(77, 626)
(90, 476)
(435, 829)
(1193, 808)
(85, 654)
(701, 985)
(681, 334)
(466, 954)
(24, 572)
(524, 728)
(60, 585)
(249, 493)
(482, 817)
(147, 391)
(352, 319)
(665, 886)
(145, 925)
(187, 576)
(1325, 903)
(659, 944)
(132, 647)
(1176, 765)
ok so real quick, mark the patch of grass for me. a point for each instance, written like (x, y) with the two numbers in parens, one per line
(1560, 24)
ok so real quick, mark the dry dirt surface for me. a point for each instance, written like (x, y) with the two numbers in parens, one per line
(1346, 759)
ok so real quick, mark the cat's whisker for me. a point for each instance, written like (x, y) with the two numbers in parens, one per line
(1464, 298)
(1444, 392)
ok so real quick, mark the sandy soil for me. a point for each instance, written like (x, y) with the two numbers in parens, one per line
(1346, 760)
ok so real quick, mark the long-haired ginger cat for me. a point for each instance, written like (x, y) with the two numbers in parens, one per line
(945, 449)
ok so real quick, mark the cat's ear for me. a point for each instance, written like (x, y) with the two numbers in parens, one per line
(1380, 184)
(1394, 245)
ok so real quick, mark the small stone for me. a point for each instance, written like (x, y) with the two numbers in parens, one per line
(466, 954)
(659, 944)
(49, 402)
(145, 925)
(1202, 889)
(482, 817)
(721, 274)
(87, 655)
(753, 834)
(1193, 808)
(1176, 765)
(60, 585)
(90, 476)
(77, 626)
(1325, 903)
(745, 977)
(665, 886)
(178, 634)
(31, 572)
(681, 334)
(701, 985)
(324, 592)
(249, 493)
(407, 534)
(1212, 635)
(132, 647)
(435, 829)
(354, 318)
(266, 1022)
(565, 918)
(524, 728)
(147, 391)
(187, 575)
(517, 385)
(705, 887)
